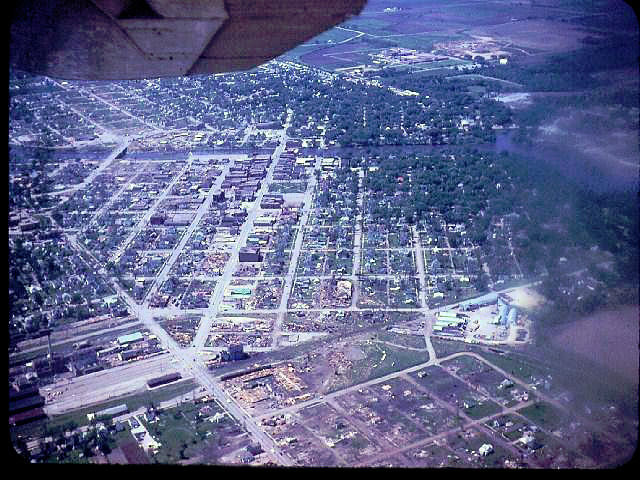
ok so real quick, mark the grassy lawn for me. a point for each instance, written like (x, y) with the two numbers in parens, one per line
(183, 433)
(133, 402)
(465, 365)
(379, 360)
(544, 415)
(483, 410)
(519, 367)
(447, 347)
(413, 341)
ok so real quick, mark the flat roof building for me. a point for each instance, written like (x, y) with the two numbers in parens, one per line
(249, 254)
(113, 411)
(131, 338)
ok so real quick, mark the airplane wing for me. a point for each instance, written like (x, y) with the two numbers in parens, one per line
(133, 39)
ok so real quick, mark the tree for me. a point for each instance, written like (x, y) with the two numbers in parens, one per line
(183, 456)
(104, 447)
(69, 426)
(87, 450)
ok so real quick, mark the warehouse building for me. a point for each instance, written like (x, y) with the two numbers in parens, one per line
(476, 303)
(113, 411)
(126, 340)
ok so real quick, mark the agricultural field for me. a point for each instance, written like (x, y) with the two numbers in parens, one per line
(455, 28)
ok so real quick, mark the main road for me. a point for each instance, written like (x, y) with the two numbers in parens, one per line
(428, 324)
(189, 364)
(188, 360)
(293, 262)
(216, 299)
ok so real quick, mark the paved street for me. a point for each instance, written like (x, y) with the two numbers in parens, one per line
(295, 254)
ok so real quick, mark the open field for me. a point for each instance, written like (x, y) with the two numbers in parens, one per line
(188, 434)
(513, 28)
(546, 36)
(609, 338)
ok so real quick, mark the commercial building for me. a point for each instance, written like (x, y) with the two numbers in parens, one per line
(129, 339)
(157, 219)
(249, 254)
(476, 303)
(158, 381)
(180, 219)
(233, 353)
(217, 195)
(113, 411)
(83, 359)
(127, 355)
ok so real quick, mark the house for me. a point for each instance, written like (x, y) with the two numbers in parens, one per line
(343, 289)
(217, 417)
(150, 416)
(528, 440)
(485, 449)
(506, 383)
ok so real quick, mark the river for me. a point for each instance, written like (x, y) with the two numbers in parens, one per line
(593, 167)
(606, 165)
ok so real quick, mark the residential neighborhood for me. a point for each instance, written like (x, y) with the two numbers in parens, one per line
(340, 258)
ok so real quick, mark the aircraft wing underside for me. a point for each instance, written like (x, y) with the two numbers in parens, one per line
(133, 39)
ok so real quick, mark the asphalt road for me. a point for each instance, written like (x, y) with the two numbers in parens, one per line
(293, 263)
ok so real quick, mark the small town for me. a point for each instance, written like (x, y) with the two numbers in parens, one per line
(317, 262)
